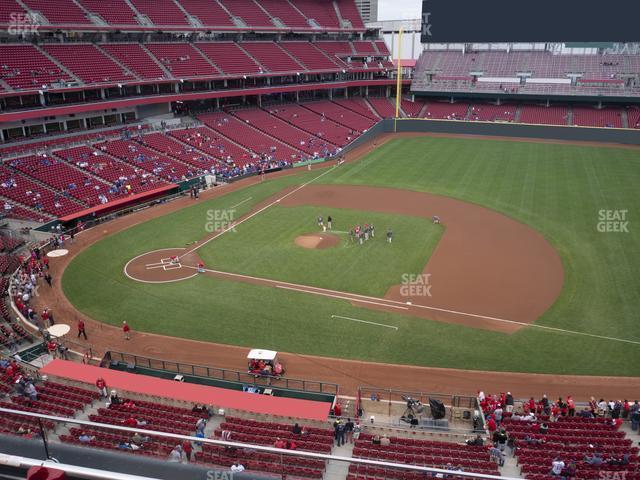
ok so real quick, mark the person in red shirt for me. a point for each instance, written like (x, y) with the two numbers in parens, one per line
(280, 443)
(187, 449)
(491, 425)
(131, 422)
(81, 329)
(101, 385)
(337, 410)
(126, 330)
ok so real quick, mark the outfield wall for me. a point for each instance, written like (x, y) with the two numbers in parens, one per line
(581, 134)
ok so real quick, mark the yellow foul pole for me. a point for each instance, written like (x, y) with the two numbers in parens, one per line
(398, 80)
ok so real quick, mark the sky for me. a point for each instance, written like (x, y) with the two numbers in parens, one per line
(399, 9)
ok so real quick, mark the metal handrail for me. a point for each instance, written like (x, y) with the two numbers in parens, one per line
(259, 448)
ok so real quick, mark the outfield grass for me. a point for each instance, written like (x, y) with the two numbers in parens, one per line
(557, 189)
(368, 269)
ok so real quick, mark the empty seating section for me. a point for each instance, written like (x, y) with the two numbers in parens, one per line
(364, 48)
(312, 123)
(633, 115)
(10, 11)
(591, 117)
(12, 209)
(493, 113)
(285, 12)
(23, 66)
(570, 439)
(62, 12)
(229, 58)
(250, 13)
(113, 171)
(309, 56)
(186, 154)
(63, 178)
(553, 115)
(247, 136)
(272, 57)
(212, 143)
(114, 12)
(322, 12)
(136, 59)
(349, 11)
(209, 12)
(423, 453)
(336, 49)
(153, 162)
(282, 130)
(343, 116)
(382, 47)
(383, 106)
(412, 109)
(161, 12)
(358, 105)
(88, 63)
(21, 189)
(182, 60)
(447, 111)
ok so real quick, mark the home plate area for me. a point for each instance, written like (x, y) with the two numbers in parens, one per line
(161, 266)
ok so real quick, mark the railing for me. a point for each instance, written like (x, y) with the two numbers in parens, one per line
(223, 374)
(283, 453)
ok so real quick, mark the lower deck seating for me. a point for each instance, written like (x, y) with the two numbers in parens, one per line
(553, 115)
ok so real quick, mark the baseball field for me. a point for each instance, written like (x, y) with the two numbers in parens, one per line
(533, 267)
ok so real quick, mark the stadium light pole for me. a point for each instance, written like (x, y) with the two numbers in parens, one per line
(398, 80)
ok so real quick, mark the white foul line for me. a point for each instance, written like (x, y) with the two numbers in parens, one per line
(342, 297)
(243, 201)
(364, 321)
(258, 211)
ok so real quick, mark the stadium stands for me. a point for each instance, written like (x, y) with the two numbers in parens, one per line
(88, 63)
(309, 56)
(322, 13)
(313, 123)
(358, 105)
(250, 12)
(382, 106)
(115, 12)
(182, 60)
(286, 13)
(63, 12)
(136, 59)
(553, 115)
(272, 57)
(23, 66)
(591, 117)
(229, 58)
(208, 13)
(341, 115)
(493, 113)
(161, 12)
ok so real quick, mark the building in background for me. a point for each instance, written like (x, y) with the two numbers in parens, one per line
(411, 44)
(368, 10)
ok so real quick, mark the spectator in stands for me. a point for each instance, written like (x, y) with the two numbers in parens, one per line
(101, 385)
(237, 467)
(175, 456)
(497, 415)
(291, 445)
(375, 440)
(280, 443)
(557, 466)
(384, 441)
(348, 429)
(31, 392)
(509, 397)
(496, 455)
(634, 415)
(140, 439)
(201, 424)
(187, 448)
(500, 439)
(84, 438)
(543, 428)
(571, 406)
(491, 424)
(114, 399)
(296, 429)
(475, 442)
(569, 472)
(595, 459)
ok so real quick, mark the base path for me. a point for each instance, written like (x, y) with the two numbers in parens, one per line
(349, 374)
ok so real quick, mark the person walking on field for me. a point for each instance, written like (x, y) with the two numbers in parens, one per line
(329, 222)
(126, 329)
(81, 330)
(389, 235)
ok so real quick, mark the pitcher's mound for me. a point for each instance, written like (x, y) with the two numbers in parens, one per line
(317, 240)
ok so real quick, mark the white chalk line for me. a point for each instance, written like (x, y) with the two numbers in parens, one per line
(403, 305)
(364, 321)
(155, 281)
(342, 297)
(243, 201)
(259, 211)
